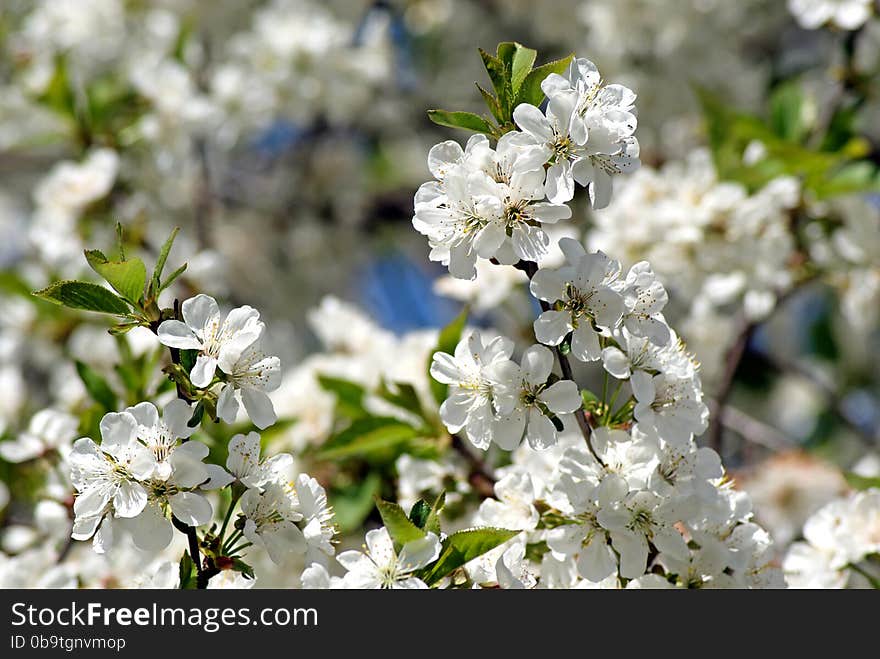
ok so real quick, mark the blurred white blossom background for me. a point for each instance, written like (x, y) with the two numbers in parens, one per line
(287, 138)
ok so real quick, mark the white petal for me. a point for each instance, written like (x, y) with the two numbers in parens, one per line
(442, 156)
(633, 551)
(531, 120)
(616, 363)
(585, 343)
(188, 470)
(203, 371)
(176, 334)
(455, 410)
(508, 430)
(92, 502)
(550, 213)
(559, 187)
(537, 363)
(552, 326)
(151, 530)
(145, 414)
(227, 404)
(244, 454)
(562, 397)
(540, 431)
(600, 189)
(176, 415)
(380, 546)
(199, 310)
(130, 499)
(417, 554)
(596, 560)
(259, 407)
(218, 478)
(548, 285)
(643, 387)
(118, 430)
(191, 508)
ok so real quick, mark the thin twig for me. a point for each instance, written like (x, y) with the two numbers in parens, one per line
(734, 357)
(204, 573)
(530, 268)
(725, 386)
(752, 429)
(479, 476)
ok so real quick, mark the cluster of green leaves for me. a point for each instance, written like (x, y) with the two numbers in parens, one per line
(136, 301)
(456, 549)
(102, 111)
(829, 159)
(514, 80)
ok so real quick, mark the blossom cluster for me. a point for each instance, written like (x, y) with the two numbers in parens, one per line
(148, 474)
(559, 418)
(651, 514)
(493, 203)
(838, 540)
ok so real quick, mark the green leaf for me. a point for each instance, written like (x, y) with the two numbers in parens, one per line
(841, 128)
(789, 118)
(187, 572)
(493, 104)
(530, 90)
(521, 65)
(126, 277)
(120, 241)
(405, 397)
(589, 397)
(353, 503)
(399, 526)
(730, 132)
(174, 275)
(466, 120)
(861, 482)
(366, 437)
(84, 295)
(432, 524)
(163, 257)
(188, 359)
(464, 546)
(59, 95)
(419, 513)
(240, 566)
(97, 386)
(852, 178)
(123, 328)
(446, 342)
(349, 395)
(197, 415)
(498, 77)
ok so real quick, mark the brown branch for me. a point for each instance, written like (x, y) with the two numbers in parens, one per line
(734, 357)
